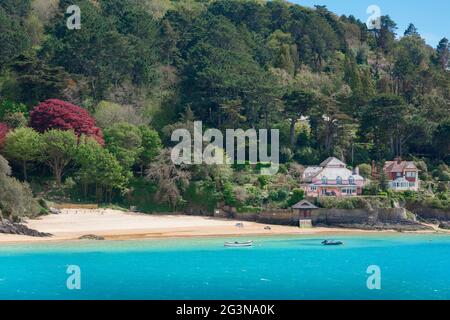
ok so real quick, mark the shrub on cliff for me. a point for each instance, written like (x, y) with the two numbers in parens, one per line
(249, 209)
(353, 202)
(297, 196)
(5, 169)
(433, 203)
(16, 199)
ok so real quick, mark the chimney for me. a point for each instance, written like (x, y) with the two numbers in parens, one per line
(356, 171)
(399, 160)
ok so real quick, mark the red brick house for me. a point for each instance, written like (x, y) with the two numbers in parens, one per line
(402, 175)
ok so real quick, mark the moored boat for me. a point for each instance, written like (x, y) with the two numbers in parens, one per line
(237, 244)
(332, 243)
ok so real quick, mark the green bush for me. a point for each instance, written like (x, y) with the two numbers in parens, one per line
(365, 170)
(203, 194)
(443, 196)
(263, 181)
(297, 196)
(278, 195)
(282, 169)
(337, 203)
(273, 195)
(16, 199)
(444, 176)
(435, 203)
(9, 107)
(249, 209)
(354, 202)
(142, 195)
(372, 189)
(262, 165)
(254, 196)
(285, 155)
(228, 194)
(242, 166)
(442, 187)
(242, 178)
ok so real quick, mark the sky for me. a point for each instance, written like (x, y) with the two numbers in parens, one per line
(431, 17)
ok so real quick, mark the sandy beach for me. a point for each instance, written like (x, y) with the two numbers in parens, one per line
(119, 225)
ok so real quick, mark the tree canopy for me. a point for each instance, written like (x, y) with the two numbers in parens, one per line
(102, 101)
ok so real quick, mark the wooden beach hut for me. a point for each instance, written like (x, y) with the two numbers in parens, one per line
(304, 209)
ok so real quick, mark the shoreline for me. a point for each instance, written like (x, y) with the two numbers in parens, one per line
(115, 225)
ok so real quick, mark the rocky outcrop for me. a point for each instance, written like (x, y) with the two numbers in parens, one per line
(54, 211)
(8, 227)
(91, 237)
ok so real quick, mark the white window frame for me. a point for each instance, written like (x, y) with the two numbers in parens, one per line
(411, 174)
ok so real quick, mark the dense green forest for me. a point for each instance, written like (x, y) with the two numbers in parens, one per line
(138, 69)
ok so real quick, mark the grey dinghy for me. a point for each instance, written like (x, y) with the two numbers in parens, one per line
(239, 244)
(332, 243)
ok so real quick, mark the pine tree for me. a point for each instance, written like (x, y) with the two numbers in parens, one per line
(411, 31)
(443, 53)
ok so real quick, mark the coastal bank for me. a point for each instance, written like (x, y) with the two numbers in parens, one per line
(399, 219)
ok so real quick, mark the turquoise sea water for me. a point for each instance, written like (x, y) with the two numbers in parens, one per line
(412, 267)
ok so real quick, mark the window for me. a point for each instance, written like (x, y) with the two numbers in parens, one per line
(410, 174)
(349, 190)
(351, 180)
(339, 180)
(313, 188)
(324, 180)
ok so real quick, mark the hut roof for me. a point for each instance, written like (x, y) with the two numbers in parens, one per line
(304, 204)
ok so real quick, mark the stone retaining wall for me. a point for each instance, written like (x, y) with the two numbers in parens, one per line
(326, 216)
(428, 213)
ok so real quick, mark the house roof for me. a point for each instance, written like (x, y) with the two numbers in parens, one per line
(333, 162)
(399, 166)
(311, 170)
(304, 204)
(334, 173)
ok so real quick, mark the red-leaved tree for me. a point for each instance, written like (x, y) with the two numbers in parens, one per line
(57, 114)
(3, 131)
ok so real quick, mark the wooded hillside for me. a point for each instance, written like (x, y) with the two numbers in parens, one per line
(137, 69)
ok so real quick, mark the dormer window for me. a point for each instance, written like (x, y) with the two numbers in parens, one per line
(324, 180)
(351, 180)
(339, 180)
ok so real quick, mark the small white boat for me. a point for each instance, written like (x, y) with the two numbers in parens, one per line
(237, 244)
